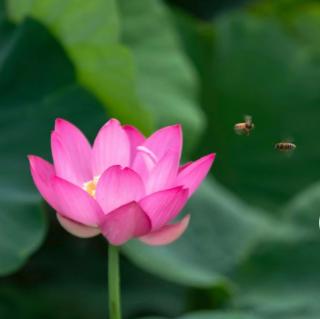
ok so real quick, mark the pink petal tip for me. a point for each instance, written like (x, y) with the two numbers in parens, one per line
(193, 174)
(167, 234)
(124, 223)
(76, 229)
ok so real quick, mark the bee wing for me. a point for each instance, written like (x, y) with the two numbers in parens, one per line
(288, 139)
(248, 119)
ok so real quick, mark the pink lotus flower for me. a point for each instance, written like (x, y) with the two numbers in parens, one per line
(125, 186)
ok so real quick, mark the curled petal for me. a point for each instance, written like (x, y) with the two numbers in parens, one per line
(192, 175)
(118, 186)
(164, 173)
(111, 147)
(43, 174)
(136, 138)
(71, 153)
(163, 206)
(167, 139)
(124, 223)
(167, 234)
(77, 229)
(76, 204)
(144, 162)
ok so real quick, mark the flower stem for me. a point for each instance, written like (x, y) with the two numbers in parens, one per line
(114, 283)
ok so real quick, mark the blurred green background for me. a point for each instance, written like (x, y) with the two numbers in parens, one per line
(252, 250)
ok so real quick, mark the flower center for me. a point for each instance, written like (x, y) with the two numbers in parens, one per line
(90, 186)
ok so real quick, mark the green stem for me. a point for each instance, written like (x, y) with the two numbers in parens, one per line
(114, 283)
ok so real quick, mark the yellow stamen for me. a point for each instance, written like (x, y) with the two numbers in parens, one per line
(90, 186)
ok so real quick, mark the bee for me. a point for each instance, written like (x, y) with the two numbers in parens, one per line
(244, 128)
(285, 146)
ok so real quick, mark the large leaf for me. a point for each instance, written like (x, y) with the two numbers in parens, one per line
(281, 279)
(89, 31)
(21, 232)
(37, 84)
(71, 273)
(263, 67)
(219, 315)
(167, 83)
(222, 231)
(303, 209)
(215, 315)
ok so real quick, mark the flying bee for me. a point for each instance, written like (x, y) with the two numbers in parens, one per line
(244, 128)
(285, 146)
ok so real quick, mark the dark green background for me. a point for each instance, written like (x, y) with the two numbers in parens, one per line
(252, 248)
